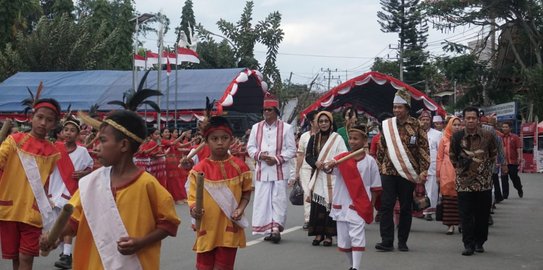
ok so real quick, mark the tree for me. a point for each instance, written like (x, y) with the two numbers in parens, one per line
(391, 68)
(55, 8)
(521, 26)
(17, 16)
(406, 18)
(187, 22)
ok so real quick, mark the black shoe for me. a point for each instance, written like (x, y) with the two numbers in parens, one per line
(306, 225)
(403, 247)
(268, 237)
(479, 248)
(317, 242)
(468, 251)
(428, 217)
(383, 247)
(520, 193)
(275, 237)
(65, 262)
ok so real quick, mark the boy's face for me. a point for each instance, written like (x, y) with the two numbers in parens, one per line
(70, 133)
(219, 142)
(356, 140)
(110, 149)
(43, 121)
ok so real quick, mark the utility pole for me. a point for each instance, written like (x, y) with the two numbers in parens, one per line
(399, 58)
(330, 76)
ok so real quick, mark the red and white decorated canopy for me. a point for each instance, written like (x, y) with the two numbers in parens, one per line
(372, 93)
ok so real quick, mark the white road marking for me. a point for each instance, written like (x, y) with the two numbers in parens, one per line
(260, 240)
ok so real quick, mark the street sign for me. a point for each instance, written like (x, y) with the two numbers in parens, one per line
(504, 111)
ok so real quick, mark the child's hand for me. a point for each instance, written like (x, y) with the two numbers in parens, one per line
(196, 214)
(45, 245)
(128, 245)
(237, 214)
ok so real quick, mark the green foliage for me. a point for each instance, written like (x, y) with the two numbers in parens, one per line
(187, 22)
(10, 62)
(391, 68)
(215, 55)
(17, 16)
(406, 18)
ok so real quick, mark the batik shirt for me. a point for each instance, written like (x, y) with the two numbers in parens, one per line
(473, 157)
(415, 142)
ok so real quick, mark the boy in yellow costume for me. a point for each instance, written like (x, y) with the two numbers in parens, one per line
(121, 213)
(227, 191)
(27, 160)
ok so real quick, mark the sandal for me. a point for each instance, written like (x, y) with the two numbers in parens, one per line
(450, 230)
(327, 242)
(317, 242)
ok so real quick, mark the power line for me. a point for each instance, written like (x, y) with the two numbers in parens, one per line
(320, 55)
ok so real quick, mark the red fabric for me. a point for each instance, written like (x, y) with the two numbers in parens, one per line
(355, 186)
(18, 237)
(222, 258)
(511, 144)
(34, 145)
(46, 105)
(204, 153)
(66, 168)
(223, 128)
(271, 103)
(375, 145)
(213, 173)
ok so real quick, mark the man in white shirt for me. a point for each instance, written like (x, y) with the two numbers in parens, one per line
(271, 144)
(303, 170)
(431, 185)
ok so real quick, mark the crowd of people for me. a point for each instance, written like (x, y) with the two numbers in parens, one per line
(123, 185)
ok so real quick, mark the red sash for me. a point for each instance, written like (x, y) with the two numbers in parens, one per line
(355, 186)
(66, 168)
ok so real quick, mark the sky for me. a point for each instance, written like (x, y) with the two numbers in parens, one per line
(319, 35)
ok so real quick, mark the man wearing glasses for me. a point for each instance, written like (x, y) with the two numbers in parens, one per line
(272, 145)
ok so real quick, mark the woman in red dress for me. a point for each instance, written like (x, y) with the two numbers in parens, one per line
(151, 156)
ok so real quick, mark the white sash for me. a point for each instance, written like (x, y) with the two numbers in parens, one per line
(324, 187)
(396, 151)
(34, 179)
(224, 197)
(104, 220)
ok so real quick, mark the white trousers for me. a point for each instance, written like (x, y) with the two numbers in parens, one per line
(432, 191)
(305, 177)
(351, 236)
(269, 206)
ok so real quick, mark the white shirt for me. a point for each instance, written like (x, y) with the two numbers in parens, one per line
(276, 140)
(434, 137)
(369, 171)
(57, 189)
(302, 148)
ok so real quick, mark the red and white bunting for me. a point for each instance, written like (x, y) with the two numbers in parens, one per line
(168, 56)
(139, 61)
(187, 55)
(152, 58)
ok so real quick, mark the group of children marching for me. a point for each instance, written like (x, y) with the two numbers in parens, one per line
(121, 212)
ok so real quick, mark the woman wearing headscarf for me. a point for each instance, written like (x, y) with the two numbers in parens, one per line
(446, 177)
(323, 146)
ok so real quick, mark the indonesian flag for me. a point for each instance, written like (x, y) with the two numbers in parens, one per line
(139, 61)
(187, 55)
(152, 58)
(168, 56)
(168, 67)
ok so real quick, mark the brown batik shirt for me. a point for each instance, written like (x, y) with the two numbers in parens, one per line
(415, 142)
(473, 157)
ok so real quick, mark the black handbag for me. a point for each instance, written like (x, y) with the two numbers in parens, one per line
(296, 196)
(439, 210)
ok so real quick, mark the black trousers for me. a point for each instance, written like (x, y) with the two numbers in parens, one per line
(474, 210)
(395, 187)
(513, 174)
(497, 189)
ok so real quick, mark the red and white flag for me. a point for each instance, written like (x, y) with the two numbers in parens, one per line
(139, 61)
(152, 58)
(168, 56)
(187, 55)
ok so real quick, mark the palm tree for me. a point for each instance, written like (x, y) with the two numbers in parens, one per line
(133, 99)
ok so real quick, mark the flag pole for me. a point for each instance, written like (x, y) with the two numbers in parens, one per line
(168, 90)
(176, 86)
(160, 47)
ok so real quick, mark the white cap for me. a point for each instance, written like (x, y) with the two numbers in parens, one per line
(437, 118)
(399, 100)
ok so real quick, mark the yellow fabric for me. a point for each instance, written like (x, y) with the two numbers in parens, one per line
(17, 202)
(143, 206)
(216, 229)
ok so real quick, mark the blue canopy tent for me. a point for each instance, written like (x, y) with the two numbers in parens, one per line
(236, 90)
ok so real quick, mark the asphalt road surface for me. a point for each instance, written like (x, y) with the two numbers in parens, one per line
(515, 241)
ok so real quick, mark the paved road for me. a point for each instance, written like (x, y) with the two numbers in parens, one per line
(515, 242)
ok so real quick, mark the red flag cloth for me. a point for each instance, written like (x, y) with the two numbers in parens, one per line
(187, 55)
(168, 67)
(66, 168)
(152, 58)
(355, 186)
(139, 61)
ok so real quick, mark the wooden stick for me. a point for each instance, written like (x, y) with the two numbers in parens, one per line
(5, 130)
(196, 151)
(58, 227)
(351, 155)
(199, 197)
